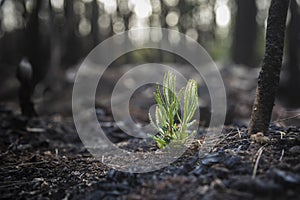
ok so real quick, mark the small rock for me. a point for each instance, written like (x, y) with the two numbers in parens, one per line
(214, 158)
(297, 168)
(44, 184)
(47, 153)
(231, 161)
(38, 179)
(295, 149)
(286, 178)
(198, 171)
(203, 189)
(217, 184)
(23, 147)
(35, 130)
(75, 173)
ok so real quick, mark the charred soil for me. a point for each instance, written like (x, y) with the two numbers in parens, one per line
(44, 158)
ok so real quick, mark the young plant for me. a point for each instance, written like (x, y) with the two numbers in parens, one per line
(167, 111)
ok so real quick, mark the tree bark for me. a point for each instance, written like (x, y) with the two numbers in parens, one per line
(72, 51)
(293, 34)
(94, 20)
(268, 79)
(29, 70)
(244, 40)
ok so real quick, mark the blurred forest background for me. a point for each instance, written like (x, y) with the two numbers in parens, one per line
(55, 35)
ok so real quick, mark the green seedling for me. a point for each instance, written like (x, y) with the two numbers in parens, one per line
(167, 111)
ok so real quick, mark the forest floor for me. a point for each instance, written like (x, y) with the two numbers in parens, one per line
(44, 158)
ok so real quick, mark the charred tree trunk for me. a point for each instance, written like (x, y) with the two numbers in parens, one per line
(38, 44)
(94, 20)
(245, 32)
(293, 34)
(268, 79)
(24, 75)
(53, 78)
(37, 51)
(27, 71)
(72, 48)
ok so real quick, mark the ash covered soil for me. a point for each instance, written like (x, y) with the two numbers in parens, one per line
(43, 158)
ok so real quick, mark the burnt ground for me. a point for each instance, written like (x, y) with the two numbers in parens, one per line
(43, 158)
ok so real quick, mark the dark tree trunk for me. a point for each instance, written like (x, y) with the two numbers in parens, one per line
(72, 47)
(37, 51)
(38, 45)
(268, 79)
(28, 71)
(26, 89)
(53, 79)
(293, 34)
(95, 27)
(243, 50)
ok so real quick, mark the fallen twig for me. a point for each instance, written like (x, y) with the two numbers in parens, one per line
(284, 119)
(239, 132)
(259, 152)
(282, 153)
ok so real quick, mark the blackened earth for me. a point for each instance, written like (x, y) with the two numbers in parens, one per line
(43, 158)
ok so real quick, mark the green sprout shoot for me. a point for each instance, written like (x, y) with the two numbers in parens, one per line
(167, 110)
